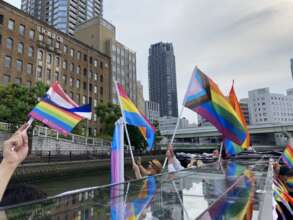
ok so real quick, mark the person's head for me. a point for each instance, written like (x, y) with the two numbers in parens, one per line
(192, 163)
(19, 193)
(154, 167)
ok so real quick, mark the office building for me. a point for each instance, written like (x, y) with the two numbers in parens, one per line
(64, 15)
(162, 78)
(266, 107)
(169, 123)
(244, 109)
(32, 51)
(152, 111)
(101, 35)
(139, 97)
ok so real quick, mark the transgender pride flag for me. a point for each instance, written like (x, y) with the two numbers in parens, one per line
(117, 153)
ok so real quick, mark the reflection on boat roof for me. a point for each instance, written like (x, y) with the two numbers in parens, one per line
(187, 194)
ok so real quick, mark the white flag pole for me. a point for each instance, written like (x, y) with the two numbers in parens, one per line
(123, 116)
(174, 133)
(180, 115)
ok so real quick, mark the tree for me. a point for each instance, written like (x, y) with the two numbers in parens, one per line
(108, 114)
(17, 101)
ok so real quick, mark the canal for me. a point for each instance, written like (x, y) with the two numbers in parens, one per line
(93, 177)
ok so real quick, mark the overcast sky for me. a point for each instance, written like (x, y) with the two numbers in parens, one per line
(248, 41)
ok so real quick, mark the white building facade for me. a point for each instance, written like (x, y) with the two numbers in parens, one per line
(266, 107)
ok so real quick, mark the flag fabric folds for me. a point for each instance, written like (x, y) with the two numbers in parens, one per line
(231, 147)
(288, 156)
(58, 111)
(117, 153)
(204, 97)
(134, 117)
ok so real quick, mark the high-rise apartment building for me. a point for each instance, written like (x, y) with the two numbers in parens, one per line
(101, 35)
(162, 78)
(266, 107)
(32, 51)
(139, 97)
(64, 15)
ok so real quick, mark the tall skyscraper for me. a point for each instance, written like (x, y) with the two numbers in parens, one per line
(162, 78)
(63, 14)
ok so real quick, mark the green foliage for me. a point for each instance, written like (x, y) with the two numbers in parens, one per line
(108, 114)
(17, 101)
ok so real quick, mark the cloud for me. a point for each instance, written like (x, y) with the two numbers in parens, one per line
(248, 41)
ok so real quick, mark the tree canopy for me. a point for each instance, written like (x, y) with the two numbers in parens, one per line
(17, 101)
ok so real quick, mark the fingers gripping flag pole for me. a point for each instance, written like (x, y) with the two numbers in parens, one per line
(117, 153)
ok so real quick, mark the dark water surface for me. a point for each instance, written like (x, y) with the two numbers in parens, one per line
(56, 185)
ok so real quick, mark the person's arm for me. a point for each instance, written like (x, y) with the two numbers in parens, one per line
(136, 171)
(173, 163)
(144, 171)
(15, 150)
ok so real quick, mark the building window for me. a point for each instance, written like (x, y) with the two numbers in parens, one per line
(95, 63)
(49, 58)
(17, 81)
(84, 71)
(84, 85)
(85, 57)
(96, 76)
(64, 78)
(65, 48)
(11, 24)
(32, 34)
(21, 29)
(91, 60)
(101, 78)
(7, 61)
(49, 41)
(83, 99)
(95, 89)
(0, 38)
(71, 67)
(39, 72)
(40, 55)
(49, 74)
(90, 87)
(78, 55)
(57, 45)
(78, 70)
(78, 83)
(57, 76)
(95, 103)
(78, 98)
(19, 65)
(9, 43)
(71, 81)
(20, 48)
(65, 64)
(71, 52)
(41, 37)
(30, 52)
(57, 61)
(29, 68)
(101, 91)
(101, 65)
(1, 19)
(6, 78)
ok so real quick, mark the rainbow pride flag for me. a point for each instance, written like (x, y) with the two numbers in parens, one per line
(204, 97)
(288, 156)
(133, 116)
(58, 111)
(232, 148)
